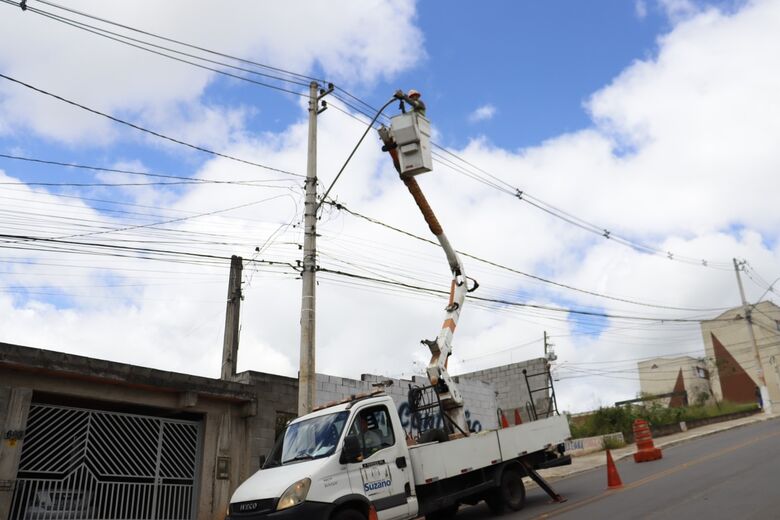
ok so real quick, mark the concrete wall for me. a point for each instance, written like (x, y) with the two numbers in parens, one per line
(222, 407)
(659, 375)
(479, 397)
(275, 396)
(509, 384)
(730, 329)
(14, 408)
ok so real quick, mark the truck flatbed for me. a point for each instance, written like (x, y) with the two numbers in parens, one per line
(436, 461)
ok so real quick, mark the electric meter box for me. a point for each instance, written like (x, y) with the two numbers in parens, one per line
(412, 134)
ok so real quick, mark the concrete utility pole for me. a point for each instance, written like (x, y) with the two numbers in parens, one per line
(232, 315)
(549, 353)
(307, 380)
(749, 322)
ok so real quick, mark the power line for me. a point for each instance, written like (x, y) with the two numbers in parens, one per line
(502, 291)
(120, 38)
(514, 303)
(31, 218)
(196, 180)
(495, 182)
(170, 221)
(179, 42)
(507, 349)
(538, 203)
(340, 206)
(117, 184)
(146, 130)
(368, 127)
(132, 249)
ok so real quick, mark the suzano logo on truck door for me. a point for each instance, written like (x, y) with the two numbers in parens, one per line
(376, 477)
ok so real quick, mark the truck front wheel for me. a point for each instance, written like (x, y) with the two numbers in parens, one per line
(510, 493)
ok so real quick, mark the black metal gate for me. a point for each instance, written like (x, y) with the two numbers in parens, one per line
(89, 464)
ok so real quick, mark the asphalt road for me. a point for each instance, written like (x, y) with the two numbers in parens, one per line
(731, 474)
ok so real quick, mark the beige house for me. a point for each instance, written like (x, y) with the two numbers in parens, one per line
(661, 376)
(731, 355)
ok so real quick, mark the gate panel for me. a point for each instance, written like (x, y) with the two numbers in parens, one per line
(89, 464)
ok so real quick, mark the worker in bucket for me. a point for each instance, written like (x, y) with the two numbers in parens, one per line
(413, 98)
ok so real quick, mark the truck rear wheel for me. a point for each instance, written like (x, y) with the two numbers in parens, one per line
(510, 493)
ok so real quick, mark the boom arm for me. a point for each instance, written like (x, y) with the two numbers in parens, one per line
(449, 395)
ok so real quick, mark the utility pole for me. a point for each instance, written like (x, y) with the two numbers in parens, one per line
(549, 353)
(749, 322)
(232, 315)
(307, 379)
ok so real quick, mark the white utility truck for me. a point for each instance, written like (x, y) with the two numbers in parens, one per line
(353, 460)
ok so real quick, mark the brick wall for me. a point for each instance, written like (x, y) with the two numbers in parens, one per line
(275, 395)
(510, 386)
(479, 397)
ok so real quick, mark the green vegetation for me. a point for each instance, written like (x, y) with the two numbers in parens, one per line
(611, 443)
(621, 419)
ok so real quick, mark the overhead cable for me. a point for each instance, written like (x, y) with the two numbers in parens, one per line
(251, 182)
(340, 206)
(146, 130)
(179, 42)
(515, 303)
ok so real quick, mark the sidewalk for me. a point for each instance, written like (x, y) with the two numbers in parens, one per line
(594, 460)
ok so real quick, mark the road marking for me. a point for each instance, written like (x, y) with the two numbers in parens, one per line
(656, 476)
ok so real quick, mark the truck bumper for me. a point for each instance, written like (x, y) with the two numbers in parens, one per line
(304, 511)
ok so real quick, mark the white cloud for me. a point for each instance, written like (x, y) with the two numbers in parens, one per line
(640, 8)
(678, 10)
(483, 113)
(349, 42)
(681, 154)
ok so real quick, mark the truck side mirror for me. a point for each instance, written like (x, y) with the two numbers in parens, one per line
(351, 451)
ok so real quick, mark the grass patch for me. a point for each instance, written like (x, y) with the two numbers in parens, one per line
(612, 443)
(621, 419)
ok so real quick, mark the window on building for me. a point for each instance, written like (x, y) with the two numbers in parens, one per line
(777, 324)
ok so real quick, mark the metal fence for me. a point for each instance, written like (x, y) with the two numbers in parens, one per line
(89, 464)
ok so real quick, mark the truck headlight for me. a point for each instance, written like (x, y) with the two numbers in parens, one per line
(294, 494)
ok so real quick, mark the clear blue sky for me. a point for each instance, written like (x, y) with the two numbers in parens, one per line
(536, 62)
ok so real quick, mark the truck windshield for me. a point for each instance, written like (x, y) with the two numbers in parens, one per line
(312, 438)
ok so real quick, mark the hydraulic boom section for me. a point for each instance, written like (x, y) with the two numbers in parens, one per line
(406, 141)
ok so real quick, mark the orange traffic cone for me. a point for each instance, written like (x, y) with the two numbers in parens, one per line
(518, 419)
(613, 477)
(504, 422)
(645, 449)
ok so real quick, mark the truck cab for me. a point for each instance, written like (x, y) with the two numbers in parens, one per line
(334, 463)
